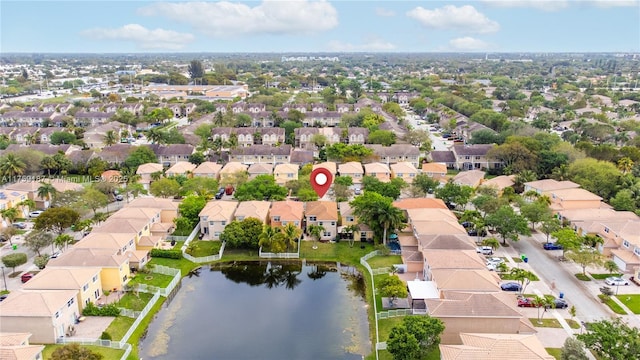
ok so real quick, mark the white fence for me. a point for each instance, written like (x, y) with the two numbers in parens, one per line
(165, 270)
(394, 313)
(141, 316)
(378, 271)
(191, 236)
(104, 343)
(270, 255)
(129, 313)
(206, 259)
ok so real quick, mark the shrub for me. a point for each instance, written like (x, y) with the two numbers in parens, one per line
(169, 254)
(14, 260)
(107, 310)
(105, 336)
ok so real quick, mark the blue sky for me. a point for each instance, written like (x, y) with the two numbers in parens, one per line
(320, 26)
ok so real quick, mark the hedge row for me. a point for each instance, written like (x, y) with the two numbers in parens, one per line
(169, 254)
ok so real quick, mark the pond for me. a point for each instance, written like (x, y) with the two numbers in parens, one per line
(263, 310)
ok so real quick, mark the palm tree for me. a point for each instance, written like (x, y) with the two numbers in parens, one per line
(10, 214)
(29, 139)
(110, 138)
(11, 165)
(46, 191)
(30, 204)
(155, 136)
(390, 217)
(63, 240)
(315, 231)
(155, 176)
(268, 236)
(291, 234)
(48, 163)
(611, 266)
(491, 242)
(625, 165)
(351, 229)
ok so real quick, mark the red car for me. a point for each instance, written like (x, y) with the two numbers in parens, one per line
(526, 302)
(26, 277)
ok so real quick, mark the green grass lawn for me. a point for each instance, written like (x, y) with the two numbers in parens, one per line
(602, 276)
(107, 353)
(555, 352)
(183, 264)
(517, 260)
(613, 305)
(133, 302)
(119, 326)
(178, 245)
(384, 261)
(4, 292)
(153, 279)
(335, 252)
(134, 340)
(554, 323)
(630, 301)
(582, 277)
(508, 276)
(205, 248)
(385, 326)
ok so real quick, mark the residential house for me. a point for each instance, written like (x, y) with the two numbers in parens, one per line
(260, 169)
(146, 171)
(13, 199)
(465, 129)
(261, 154)
(343, 108)
(208, 169)
(397, 153)
(325, 118)
(47, 149)
(325, 214)
(357, 135)
(86, 281)
(15, 346)
(354, 170)
(285, 172)
(231, 169)
(500, 182)
(451, 259)
(214, 217)
(169, 155)
(115, 154)
(134, 108)
(253, 209)
(91, 118)
(31, 189)
(545, 186)
(168, 207)
(472, 178)
(403, 170)
(378, 170)
(249, 136)
(574, 199)
(286, 212)
(329, 165)
(466, 280)
(474, 312)
(470, 157)
(304, 136)
(446, 158)
(348, 219)
(181, 168)
(496, 347)
(120, 243)
(95, 137)
(47, 314)
(419, 203)
(436, 171)
(301, 157)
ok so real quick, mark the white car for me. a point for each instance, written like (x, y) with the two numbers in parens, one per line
(35, 214)
(615, 281)
(485, 250)
(494, 260)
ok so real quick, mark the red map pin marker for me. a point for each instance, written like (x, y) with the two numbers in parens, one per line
(321, 180)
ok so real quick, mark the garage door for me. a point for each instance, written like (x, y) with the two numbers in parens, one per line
(621, 264)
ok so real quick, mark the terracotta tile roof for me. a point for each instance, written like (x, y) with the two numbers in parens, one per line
(551, 184)
(181, 168)
(285, 169)
(149, 168)
(469, 178)
(453, 259)
(88, 257)
(233, 167)
(329, 165)
(500, 182)
(322, 210)
(62, 279)
(154, 202)
(574, 195)
(219, 210)
(434, 168)
(472, 305)
(444, 242)
(13, 339)
(146, 213)
(496, 347)
(207, 167)
(351, 167)
(403, 167)
(419, 203)
(254, 209)
(437, 228)
(121, 225)
(20, 352)
(466, 280)
(261, 169)
(151, 241)
(41, 303)
(288, 210)
(345, 209)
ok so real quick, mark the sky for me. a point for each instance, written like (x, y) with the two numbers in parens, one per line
(298, 26)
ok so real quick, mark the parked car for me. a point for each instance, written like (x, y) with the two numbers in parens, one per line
(559, 304)
(616, 281)
(474, 232)
(119, 197)
(494, 260)
(55, 255)
(3, 296)
(220, 193)
(552, 246)
(26, 277)
(485, 250)
(510, 286)
(357, 191)
(526, 302)
(35, 214)
(19, 225)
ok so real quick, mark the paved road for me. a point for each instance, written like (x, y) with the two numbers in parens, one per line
(545, 264)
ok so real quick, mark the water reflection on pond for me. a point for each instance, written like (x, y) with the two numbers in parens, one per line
(263, 310)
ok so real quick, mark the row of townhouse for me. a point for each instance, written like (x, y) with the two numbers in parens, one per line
(216, 215)
(465, 157)
(305, 137)
(49, 304)
(587, 214)
(448, 279)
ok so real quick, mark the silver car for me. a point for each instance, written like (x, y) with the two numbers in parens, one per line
(616, 281)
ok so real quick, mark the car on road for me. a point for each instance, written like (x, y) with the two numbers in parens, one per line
(220, 194)
(485, 250)
(616, 281)
(35, 214)
(552, 246)
(511, 286)
(19, 225)
(559, 304)
(26, 277)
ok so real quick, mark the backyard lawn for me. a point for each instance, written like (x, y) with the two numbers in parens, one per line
(201, 248)
(133, 302)
(183, 264)
(107, 353)
(153, 279)
(119, 326)
(384, 261)
(631, 301)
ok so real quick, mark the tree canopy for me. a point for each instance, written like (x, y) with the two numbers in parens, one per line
(262, 187)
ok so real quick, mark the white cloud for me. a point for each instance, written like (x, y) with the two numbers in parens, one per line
(143, 37)
(385, 12)
(468, 44)
(223, 18)
(555, 5)
(464, 18)
(373, 44)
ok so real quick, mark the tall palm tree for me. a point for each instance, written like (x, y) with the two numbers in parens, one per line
(291, 234)
(110, 138)
(315, 231)
(155, 136)
(11, 165)
(10, 214)
(268, 236)
(48, 163)
(46, 191)
(625, 165)
(390, 217)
